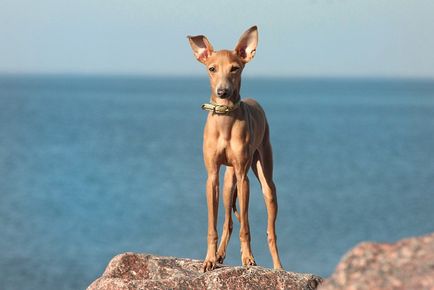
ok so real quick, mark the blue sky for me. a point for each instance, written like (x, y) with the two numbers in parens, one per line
(297, 37)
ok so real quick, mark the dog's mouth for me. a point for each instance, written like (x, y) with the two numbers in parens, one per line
(225, 94)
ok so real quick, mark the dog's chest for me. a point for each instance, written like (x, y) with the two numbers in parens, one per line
(228, 152)
(225, 140)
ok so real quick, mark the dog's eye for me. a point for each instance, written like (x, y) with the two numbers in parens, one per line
(212, 69)
(235, 68)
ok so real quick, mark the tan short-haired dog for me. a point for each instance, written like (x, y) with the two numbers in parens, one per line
(236, 135)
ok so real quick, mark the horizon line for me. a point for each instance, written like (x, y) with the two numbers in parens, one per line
(199, 76)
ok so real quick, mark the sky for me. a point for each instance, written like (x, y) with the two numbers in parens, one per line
(297, 38)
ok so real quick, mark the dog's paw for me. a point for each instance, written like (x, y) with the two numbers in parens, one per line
(209, 264)
(278, 267)
(248, 261)
(220, 257)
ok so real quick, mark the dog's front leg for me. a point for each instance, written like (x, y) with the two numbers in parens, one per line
(243, 198)
(228, 190)
(212, 198)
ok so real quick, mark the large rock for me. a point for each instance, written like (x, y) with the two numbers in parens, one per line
(407, 264)
(142, 271)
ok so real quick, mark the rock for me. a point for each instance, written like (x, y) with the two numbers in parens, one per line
(143, 271)
(407, 264)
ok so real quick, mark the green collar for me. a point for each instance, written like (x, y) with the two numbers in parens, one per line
(220, 109)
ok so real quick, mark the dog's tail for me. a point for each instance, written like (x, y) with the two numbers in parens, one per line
(234, 204)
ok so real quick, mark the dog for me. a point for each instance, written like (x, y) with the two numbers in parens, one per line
(236, 135)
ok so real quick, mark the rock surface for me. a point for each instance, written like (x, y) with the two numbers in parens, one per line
(142, 271)
(407, 264)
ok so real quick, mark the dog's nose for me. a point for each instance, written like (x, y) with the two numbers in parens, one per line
(222, 93)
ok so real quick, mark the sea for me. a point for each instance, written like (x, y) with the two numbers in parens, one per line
(93, 166)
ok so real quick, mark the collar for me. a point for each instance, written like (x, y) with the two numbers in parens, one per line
(220, 109)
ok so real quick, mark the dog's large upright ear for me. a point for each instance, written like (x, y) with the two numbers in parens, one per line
(202, 48)
(246, 46)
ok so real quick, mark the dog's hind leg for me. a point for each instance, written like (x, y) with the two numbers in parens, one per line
(228, 191)
(262, 166)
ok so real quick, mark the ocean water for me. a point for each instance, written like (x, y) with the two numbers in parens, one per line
(94, 166)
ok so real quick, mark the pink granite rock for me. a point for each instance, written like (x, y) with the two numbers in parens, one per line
(142, 271)
(404, 265)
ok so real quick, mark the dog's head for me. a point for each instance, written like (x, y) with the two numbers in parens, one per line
(225, 66)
